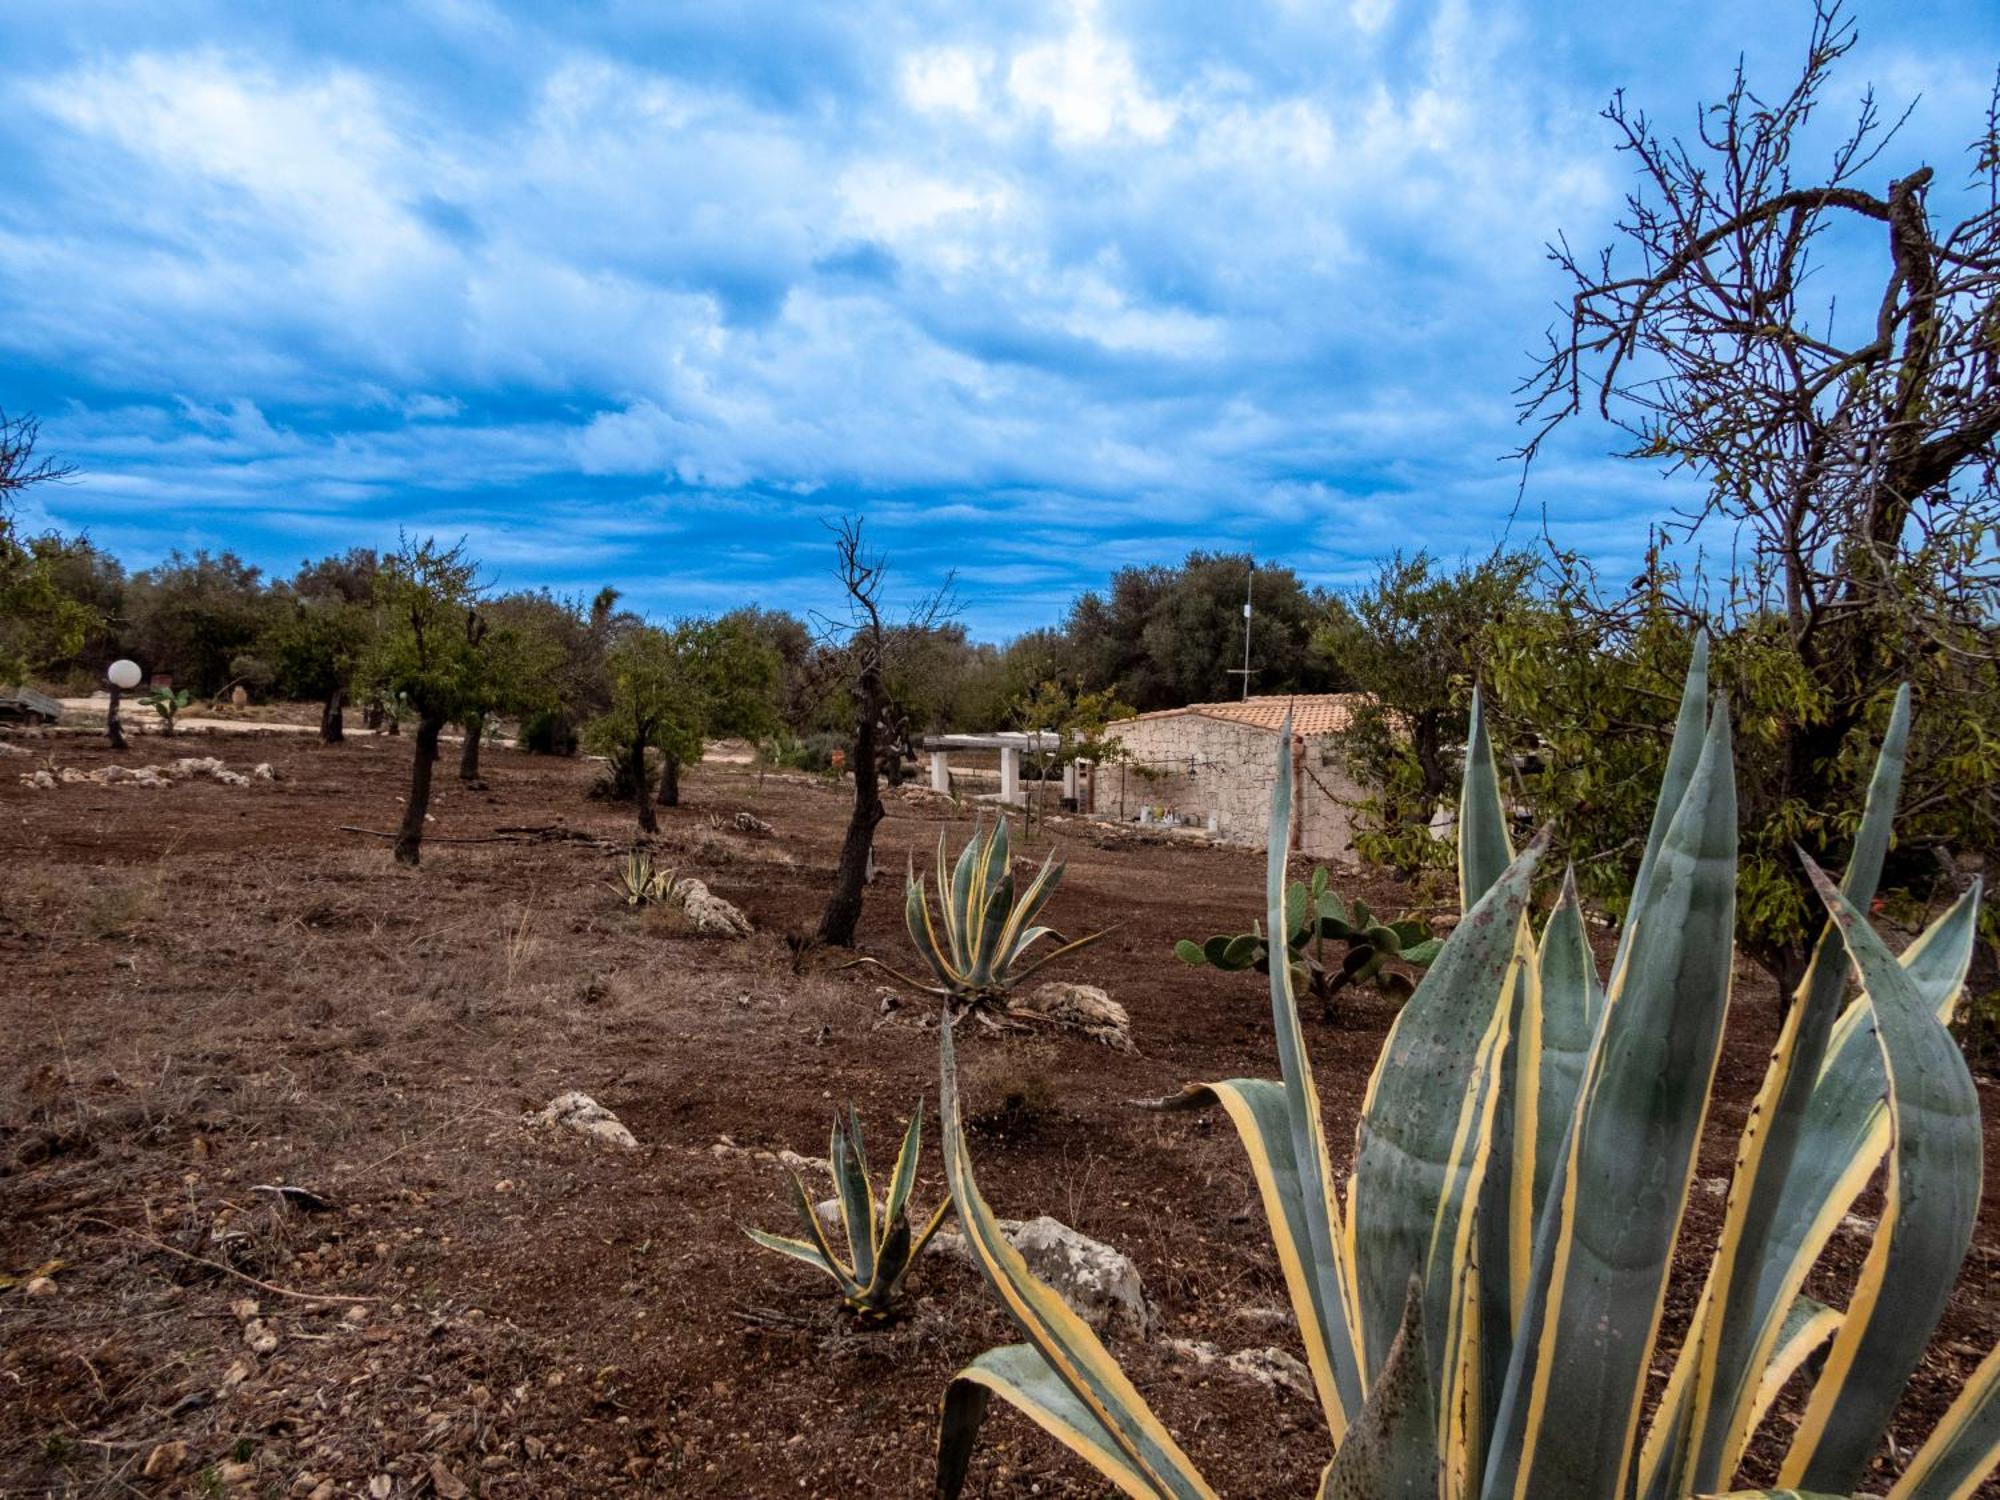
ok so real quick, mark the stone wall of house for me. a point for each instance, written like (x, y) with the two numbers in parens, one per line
(1196, 765)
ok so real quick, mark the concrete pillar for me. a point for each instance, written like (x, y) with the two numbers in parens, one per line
(1010, 775)
(940, 772)
(1069, 781)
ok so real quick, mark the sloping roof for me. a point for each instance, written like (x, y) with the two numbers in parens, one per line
(1312, 713)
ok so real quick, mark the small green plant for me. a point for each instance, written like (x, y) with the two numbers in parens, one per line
(987, 932)
(880, 1247)
(167, 703)
(641, 882)
(1314, 917)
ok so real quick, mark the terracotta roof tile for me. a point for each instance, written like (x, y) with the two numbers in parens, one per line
(1312, 713)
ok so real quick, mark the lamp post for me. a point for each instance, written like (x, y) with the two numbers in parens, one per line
(122, 674)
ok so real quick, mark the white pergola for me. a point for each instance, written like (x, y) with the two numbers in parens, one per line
(1010, 743)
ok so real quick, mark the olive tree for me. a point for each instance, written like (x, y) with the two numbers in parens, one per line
(427, 652)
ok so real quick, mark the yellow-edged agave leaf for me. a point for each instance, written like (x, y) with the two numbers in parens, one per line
(1774, 1495)
(1806, 1329)
(1391, 1450)
(1422, 1104)
(1843, 1138)
(1484, 850)
(1690, 731)
(1569, 1412)
(1504, 1192)
(1964, 1447)
(1024, 1380)
(1283, 1134)
(1930, 1202)
(1260, 1109)
(1067, 1344)
(1735, 1340)
(857, 1204)
(1572, 1000)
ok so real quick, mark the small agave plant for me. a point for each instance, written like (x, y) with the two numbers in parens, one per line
(1482, 1312)
(982, 955)
(880, 1247)
(641, 882)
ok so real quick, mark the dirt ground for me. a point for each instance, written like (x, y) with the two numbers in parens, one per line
(211, 990)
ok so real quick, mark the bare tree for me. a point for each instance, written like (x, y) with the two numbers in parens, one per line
(1848, 457)
(20, 467)
(865, 642)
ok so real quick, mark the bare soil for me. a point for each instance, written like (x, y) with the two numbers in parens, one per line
(212, 989)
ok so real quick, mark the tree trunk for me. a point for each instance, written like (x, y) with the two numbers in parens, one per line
(635, 776)
(331, 730)
(468, 757)
(113, 730)
(410, 838)
(670, 783)
(843, 911)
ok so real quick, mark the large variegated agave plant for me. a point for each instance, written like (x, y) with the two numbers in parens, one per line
(1482, 1312)
(983, 951)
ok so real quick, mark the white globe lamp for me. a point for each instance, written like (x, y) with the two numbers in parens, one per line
(123, 673)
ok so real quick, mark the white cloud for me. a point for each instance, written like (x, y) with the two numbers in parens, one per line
(1088, 87)
(946, 80)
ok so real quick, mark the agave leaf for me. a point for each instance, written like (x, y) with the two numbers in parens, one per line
(1735, 1341)
(1606, 1245)
(1077, 945)
(903, 1176)
(1021, 1377)
(1931, 1199)
(1484, 850)
(816, 1237)
(797, 1250)
(1064, 1341)
(917, 918)
(1421, 1104)
(1390, 1453)
(1807, 1327)
(1260, 1110)
(857, 1207)
(1690, 729)
(1964, 1447)
(997, 894)
(1843, 1138)
(1033, 899)
(1572, 999)
(931, 1227)
(1320, 1208)
(965, 900)
(892, 1258)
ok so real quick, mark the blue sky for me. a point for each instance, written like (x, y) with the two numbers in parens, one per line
(639, 292)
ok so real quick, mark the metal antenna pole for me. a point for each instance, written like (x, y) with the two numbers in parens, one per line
(1245, 670)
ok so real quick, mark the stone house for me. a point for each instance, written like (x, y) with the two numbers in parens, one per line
(1212, 764)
